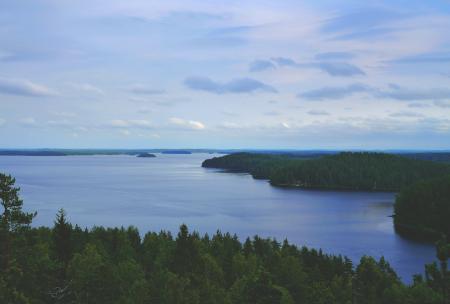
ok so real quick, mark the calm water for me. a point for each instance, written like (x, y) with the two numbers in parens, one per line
(163, 192)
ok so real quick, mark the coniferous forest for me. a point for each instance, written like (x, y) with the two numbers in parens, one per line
(422, 210)
(344, 171)
(68, 264)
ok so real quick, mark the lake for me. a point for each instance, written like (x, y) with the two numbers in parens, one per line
(166, 191)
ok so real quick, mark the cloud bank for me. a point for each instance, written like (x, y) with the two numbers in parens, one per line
(237, 86)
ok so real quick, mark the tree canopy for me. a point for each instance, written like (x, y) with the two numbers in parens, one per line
(344, 171)
(67, 264)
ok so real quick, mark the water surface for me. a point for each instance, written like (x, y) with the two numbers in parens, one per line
(163, 192)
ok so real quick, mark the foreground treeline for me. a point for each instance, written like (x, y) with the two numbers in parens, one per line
(422, 210)
(67, 264)
(343, 171)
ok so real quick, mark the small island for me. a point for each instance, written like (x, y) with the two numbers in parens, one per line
(146, 155)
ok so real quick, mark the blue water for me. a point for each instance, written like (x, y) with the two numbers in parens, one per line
(163, 192)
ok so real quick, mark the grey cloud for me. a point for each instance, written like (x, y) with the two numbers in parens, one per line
(333, 68)
(334, 92)
(283, 61)
(405, 114)
(442, 103)
(261, 65)
(145, 90)
(24, 88)
(241, 85)
(406, 94)
(340, 69)
(334, 56)
(418, 105)
(393, 92)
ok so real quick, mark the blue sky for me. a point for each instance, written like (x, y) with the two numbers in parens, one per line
(225, 74)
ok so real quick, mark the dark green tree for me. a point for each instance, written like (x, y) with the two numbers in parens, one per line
(13, 218)
(62, 233)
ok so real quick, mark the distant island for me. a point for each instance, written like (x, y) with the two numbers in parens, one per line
(176, 152)
(31, 153)
(361, 171)
(146, 155)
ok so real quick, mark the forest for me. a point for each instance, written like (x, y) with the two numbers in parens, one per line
(422, 210)
(368, 171)
(68, 264)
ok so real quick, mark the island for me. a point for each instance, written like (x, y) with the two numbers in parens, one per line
(146, 155)
(360, 171)
(31, 153)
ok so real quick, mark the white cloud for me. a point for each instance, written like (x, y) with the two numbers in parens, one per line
(136, 123)
(2, 122)
(188, 124)
(86, 87)
(28, 121)
(286, 125)
(24, 87)
(118, 123)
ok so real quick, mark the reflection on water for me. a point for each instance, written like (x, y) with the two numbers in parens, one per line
(163, 192)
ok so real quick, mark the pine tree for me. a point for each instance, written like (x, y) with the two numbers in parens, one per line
(62, 232)
(12, 219)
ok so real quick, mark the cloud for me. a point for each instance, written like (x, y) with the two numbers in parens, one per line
(405, 94)
(23, 87)
(261, 65)
(240, 85)
(318, 113)
(86, 87)
(334, 56)
(28, 122)
(332, 68)
(283, 61)
(340, 69)
(2, 122)
(362, 24)
(145, 90)
(442, 103)
(405, 114)
(419, 105)
(392, 92)
(334, 92)
(188, 124)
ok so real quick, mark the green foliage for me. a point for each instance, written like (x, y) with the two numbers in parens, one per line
(66, 264)
(423, 209)
(348, 170)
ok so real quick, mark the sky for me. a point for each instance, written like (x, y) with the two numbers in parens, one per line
(225, 74)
